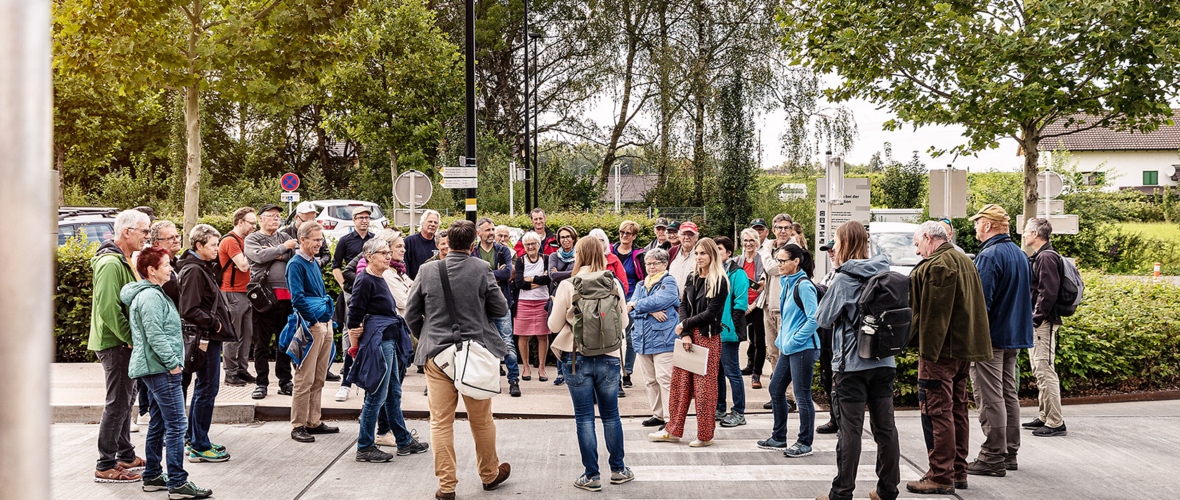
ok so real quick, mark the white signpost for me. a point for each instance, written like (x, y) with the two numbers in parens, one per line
(1050, 185)
(948, 193)
(412, 189)
(855, 206)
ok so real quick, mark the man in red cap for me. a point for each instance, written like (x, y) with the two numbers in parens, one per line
(682, 263)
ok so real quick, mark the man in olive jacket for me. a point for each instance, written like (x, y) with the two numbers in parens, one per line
(951, 329)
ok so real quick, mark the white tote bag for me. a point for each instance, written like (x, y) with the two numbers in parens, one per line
(473, 368)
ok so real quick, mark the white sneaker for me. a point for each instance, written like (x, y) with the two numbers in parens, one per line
(386, 439)
(134, 426)
(145, 419)
(663, 436)
(697, 443)
(342, 394)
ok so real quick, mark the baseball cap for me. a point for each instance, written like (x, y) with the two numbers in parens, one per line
(689, 225)
(827, 247)
(993, 212)
(674, 226)
(268, 207)
(304, 207)
(662, 222)
(758, 222)
(362, 208)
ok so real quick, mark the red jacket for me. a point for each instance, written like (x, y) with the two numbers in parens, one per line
(615, 266)
(548, 245)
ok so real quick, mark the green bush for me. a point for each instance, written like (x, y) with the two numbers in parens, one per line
(582, 222)
(72, 301)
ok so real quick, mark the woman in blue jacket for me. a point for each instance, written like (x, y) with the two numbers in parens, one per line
(654, 310)
(799, 344)
(733, 333)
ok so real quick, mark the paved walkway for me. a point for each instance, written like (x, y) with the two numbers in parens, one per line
(1121, 450)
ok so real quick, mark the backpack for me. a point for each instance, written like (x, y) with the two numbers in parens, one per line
(820, 290)
(233, 276)
(598, 327)
(884, 317)
(1069, 296)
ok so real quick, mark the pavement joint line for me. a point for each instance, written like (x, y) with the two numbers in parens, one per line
(915, 466)
(328, 467)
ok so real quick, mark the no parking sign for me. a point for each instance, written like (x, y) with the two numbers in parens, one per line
(290, 181)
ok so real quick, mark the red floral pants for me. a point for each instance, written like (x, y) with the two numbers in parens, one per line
(687, 385)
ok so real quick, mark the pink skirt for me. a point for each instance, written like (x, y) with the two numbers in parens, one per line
(531, 318)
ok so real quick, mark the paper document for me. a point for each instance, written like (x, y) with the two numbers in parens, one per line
(695, 361)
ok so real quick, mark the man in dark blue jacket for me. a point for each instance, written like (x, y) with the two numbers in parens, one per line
(499, 258)
(1004, 273)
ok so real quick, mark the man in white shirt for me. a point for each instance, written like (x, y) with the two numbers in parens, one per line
(683, 262)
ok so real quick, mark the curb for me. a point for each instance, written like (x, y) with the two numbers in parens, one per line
(92, 414)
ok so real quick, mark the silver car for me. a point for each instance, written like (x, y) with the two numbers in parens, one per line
(336, 216)
(895, 240)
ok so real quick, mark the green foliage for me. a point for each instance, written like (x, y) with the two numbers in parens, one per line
(738, 171)
(582, 222)
(75, 278)
(904, 185)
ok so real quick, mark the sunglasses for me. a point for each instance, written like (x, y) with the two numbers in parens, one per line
(626, 233)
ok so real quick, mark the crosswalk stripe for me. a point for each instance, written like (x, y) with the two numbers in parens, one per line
(733, 473)
(733, 446)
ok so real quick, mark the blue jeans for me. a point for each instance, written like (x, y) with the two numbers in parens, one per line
(204, 393)
(388, 395)
(798, 367)
(504, 325)
(730, 370)
(166, 429)
(629, 356)
(590, 380)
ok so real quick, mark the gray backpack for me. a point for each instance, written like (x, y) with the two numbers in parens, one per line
(598, 327)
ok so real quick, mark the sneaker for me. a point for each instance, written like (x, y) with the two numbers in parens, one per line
(559, 380)
(514, 389)
(588, 483)
(415, 447)
(621, 476)
(234, 381)
(286, 389)
(259, 392)
(626, 381)
(981, 468)
(209, 455)
(697, 443)
(748, 370)
(188, 490)
(719, 415)
(1047, 431)
(332, 377)
(1035, 424)
(733, 420)
(372, 454)
(300, 434)
(342, 394)
(927, 486)
(755, 382)
(386, 439)
(136, 466)
(158, 483)
(663, 436)
(772, 444)
(829, 428)
(622, 393)
(116, 474)
(653, 422)
(797, 450)
(144, 419)
(768, 406)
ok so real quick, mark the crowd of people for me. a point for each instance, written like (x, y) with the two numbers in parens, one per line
(163, 316)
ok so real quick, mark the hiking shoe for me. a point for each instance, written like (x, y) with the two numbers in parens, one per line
(663, 436)
(116, 474)
(621, 476)
(514, 389)
(342, 394)
(733, 420)
(415, 447)
(259, 392)
(697, 443)
(234, 381)
(768, 406)
(927, 486)
(797, 450)
(247, 377)
(748, 370)
(300, 434)
(188, 490)
(961, 484)
(1047, 431)
(622, 393)
(626, 381)
(772, 444)
(755, 382)
(588, 483)
(653, 422)
(323, 429)
(286, 389)
(372, 454)
(158, 483)
(719, 415)
(209, 455)
(981, 468)
(386, 439)
(829, 428)
(1035, 424)
(1010, 463)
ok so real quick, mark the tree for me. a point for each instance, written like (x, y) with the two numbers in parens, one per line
(998, 68)
(246, 48)
(904, 184)
(738, 170)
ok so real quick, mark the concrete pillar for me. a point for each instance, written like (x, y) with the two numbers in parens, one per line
(26, 260)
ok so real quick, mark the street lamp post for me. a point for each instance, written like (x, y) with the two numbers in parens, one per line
(470, 204)
(535, 37)
(528, 184)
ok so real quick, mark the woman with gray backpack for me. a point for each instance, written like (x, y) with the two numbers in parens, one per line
(589, 312)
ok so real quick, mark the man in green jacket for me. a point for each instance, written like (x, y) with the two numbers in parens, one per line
(110, 338)
(951, 329)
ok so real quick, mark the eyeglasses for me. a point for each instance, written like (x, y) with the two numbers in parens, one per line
(783, 262)
(748, 241)
(271, 216)
(144, 231)
(175, 237)
(362, 217)
(626, 233)
(382, 252)
(782, 228)
(532, 244)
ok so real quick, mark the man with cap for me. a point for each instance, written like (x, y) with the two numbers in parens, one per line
(305, 212)
(661, 240)
(681, 265)
(349, 246)
(1004, 273)
(268, 250)
(673, 239)
(759, 225)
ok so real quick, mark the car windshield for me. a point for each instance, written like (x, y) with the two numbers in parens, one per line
(344, 212)
(96, 232)
(897, 247)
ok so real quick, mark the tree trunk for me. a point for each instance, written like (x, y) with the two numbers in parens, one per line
(700, 97)
(621, 121)
(322, 146)
(192, 170)
(665, 82)
(1030, 139)
(393, 174)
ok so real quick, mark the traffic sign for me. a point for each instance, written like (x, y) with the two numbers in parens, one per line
(459, 183)
(1053, 180)
(948, 193)
(289, 197)
(290, 181)
(1062, 224)
(460, 172)
(413, 186)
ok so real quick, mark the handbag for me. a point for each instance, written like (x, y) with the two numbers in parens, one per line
(260, 294)
(473, 368)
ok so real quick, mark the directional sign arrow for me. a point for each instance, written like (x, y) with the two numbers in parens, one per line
(459, 182)
(460, 172)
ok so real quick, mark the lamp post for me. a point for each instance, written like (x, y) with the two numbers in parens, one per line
(470, 63)
(535, 37)
(528, 180)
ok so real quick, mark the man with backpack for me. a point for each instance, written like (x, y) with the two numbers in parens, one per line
(1045, 282)
(1004, 275)
(234, 279)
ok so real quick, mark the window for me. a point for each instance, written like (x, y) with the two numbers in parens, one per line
(1151, 178)
(1092, 178)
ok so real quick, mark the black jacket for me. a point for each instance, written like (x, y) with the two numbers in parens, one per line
(1045, 282)
(202, 306)
(699, 311)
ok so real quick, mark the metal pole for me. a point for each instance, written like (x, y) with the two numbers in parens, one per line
(511, 181)
(950, 172)
(470, 63)
(528, 199)
(536, 129)
(26, 301)
(616, 187)
(412, 202)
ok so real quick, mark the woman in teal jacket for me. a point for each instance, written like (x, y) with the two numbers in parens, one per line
(799, 344)
(157, 360)
(733, 333)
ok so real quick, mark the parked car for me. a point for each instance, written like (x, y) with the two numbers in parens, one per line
(895, 240)
(336, 216)
(91, 224)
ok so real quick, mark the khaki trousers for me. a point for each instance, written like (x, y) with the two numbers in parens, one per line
(443, 399)
(656, 372)
(1044, 358)
(309, 378)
